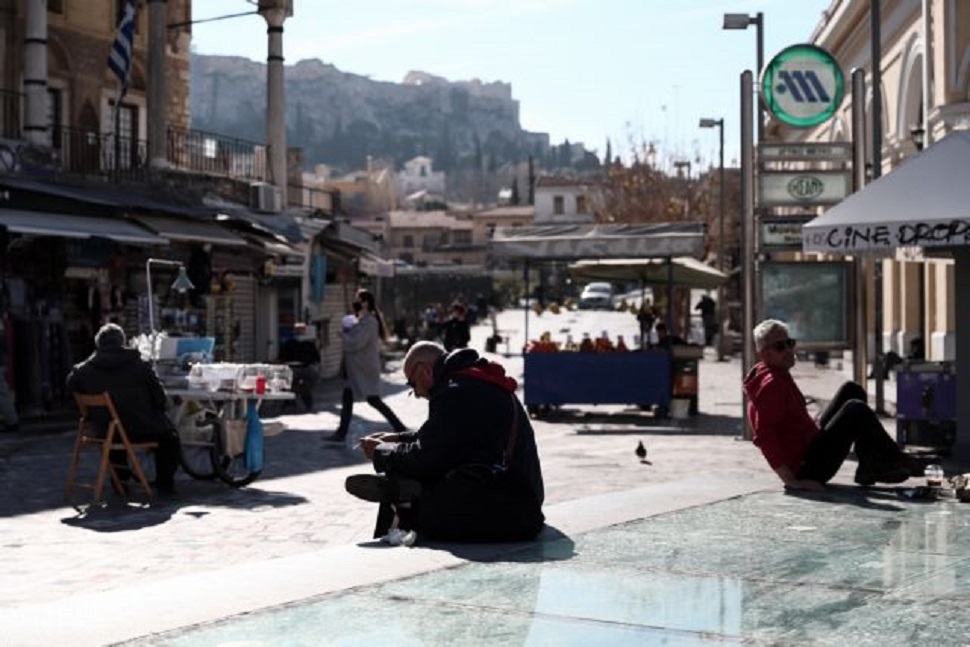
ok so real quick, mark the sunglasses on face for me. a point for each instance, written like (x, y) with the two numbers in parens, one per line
(783, 344)
(410, 378)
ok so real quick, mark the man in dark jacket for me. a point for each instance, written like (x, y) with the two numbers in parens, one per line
(471, 472)
(138, 396)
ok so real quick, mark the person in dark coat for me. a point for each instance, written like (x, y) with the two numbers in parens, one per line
(456, 332)
(459, 477)
(138, 396)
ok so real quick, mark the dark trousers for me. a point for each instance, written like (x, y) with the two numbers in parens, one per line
(166, 459)
(347, 412)
(848, 420)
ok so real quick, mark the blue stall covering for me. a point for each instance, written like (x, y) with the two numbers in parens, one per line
(641, 378)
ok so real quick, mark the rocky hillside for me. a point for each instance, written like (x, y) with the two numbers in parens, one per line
(340, 118)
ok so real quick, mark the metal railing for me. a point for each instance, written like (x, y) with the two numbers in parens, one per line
(89, 152)
(202, 152)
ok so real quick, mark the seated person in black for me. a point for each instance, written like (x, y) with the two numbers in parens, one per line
(471, 472)
(138, 396)
(303, 358)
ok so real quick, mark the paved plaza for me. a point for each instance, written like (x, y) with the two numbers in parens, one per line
(699, 546)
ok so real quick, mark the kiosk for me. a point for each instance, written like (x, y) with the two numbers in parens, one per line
(655, 254)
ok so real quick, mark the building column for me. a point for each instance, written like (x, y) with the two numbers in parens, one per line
(157, 84)
(36, 128)
(275, 12)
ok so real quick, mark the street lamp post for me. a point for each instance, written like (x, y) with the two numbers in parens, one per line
(742, 21)
(721, 310)
(181, 284)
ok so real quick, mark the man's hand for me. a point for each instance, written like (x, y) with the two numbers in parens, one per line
(369, 443)
(805, 484)
(792, 482)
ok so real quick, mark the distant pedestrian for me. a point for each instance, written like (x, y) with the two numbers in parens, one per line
(708, 308)
(456, 332)
(362, 363)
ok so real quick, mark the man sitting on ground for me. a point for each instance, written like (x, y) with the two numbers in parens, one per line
(804, 453)
(471, 472)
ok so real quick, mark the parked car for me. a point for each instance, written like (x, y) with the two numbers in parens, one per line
(596, 295)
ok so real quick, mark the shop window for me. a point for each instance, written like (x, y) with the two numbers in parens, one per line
(558, 205)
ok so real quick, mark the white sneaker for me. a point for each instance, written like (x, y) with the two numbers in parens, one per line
(399, 537)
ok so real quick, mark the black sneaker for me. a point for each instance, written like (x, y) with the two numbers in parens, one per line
(379, 488)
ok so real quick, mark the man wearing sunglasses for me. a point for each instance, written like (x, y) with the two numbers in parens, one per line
(471, 472)
(804, 452)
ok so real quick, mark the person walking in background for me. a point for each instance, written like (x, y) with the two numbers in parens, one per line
(362, 363)
(11, 422)
(806, 453)
(456, 332)
(708, 309)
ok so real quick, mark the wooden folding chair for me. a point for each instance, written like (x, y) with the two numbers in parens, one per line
(114, 437)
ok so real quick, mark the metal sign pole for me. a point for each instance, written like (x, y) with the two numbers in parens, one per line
(860, 361)
(747, 237)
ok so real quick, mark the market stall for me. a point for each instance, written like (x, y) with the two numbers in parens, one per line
(643, 378)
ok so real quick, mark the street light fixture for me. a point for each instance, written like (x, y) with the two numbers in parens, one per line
(181, 284)
(721, 314)
(742, 21)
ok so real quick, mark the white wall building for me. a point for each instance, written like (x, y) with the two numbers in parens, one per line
(562, 200)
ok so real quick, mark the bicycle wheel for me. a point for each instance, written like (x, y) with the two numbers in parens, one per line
(231, 468)
(198, 451)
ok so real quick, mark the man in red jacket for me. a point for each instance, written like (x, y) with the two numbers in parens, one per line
(806, 453)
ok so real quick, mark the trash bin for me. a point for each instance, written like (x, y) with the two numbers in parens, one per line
(926, 404)
(684, 382)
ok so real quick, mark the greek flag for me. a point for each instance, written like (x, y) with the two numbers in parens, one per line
(119, 60)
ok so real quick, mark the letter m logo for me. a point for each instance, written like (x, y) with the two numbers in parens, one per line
(804, 87)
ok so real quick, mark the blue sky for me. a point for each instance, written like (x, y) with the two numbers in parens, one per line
(583, 70)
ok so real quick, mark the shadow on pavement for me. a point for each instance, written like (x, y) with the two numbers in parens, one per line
(873, 498)
(631, 423)
(33, 474)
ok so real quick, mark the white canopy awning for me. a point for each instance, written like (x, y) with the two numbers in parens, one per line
(683, 271)
(578, 241)
(923, 203)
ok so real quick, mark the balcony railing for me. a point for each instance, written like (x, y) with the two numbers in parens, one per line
(89, 152)
(201, 152)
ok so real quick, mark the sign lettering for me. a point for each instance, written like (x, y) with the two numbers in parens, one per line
(849, 238)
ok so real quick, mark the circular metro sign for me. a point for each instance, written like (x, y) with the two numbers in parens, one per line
(802, 85)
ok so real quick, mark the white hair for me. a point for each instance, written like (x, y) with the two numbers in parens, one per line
(765, 328)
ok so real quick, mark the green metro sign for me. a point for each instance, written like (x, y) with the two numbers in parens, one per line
(802, 85)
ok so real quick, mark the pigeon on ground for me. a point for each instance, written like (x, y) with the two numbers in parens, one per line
(641, 453)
